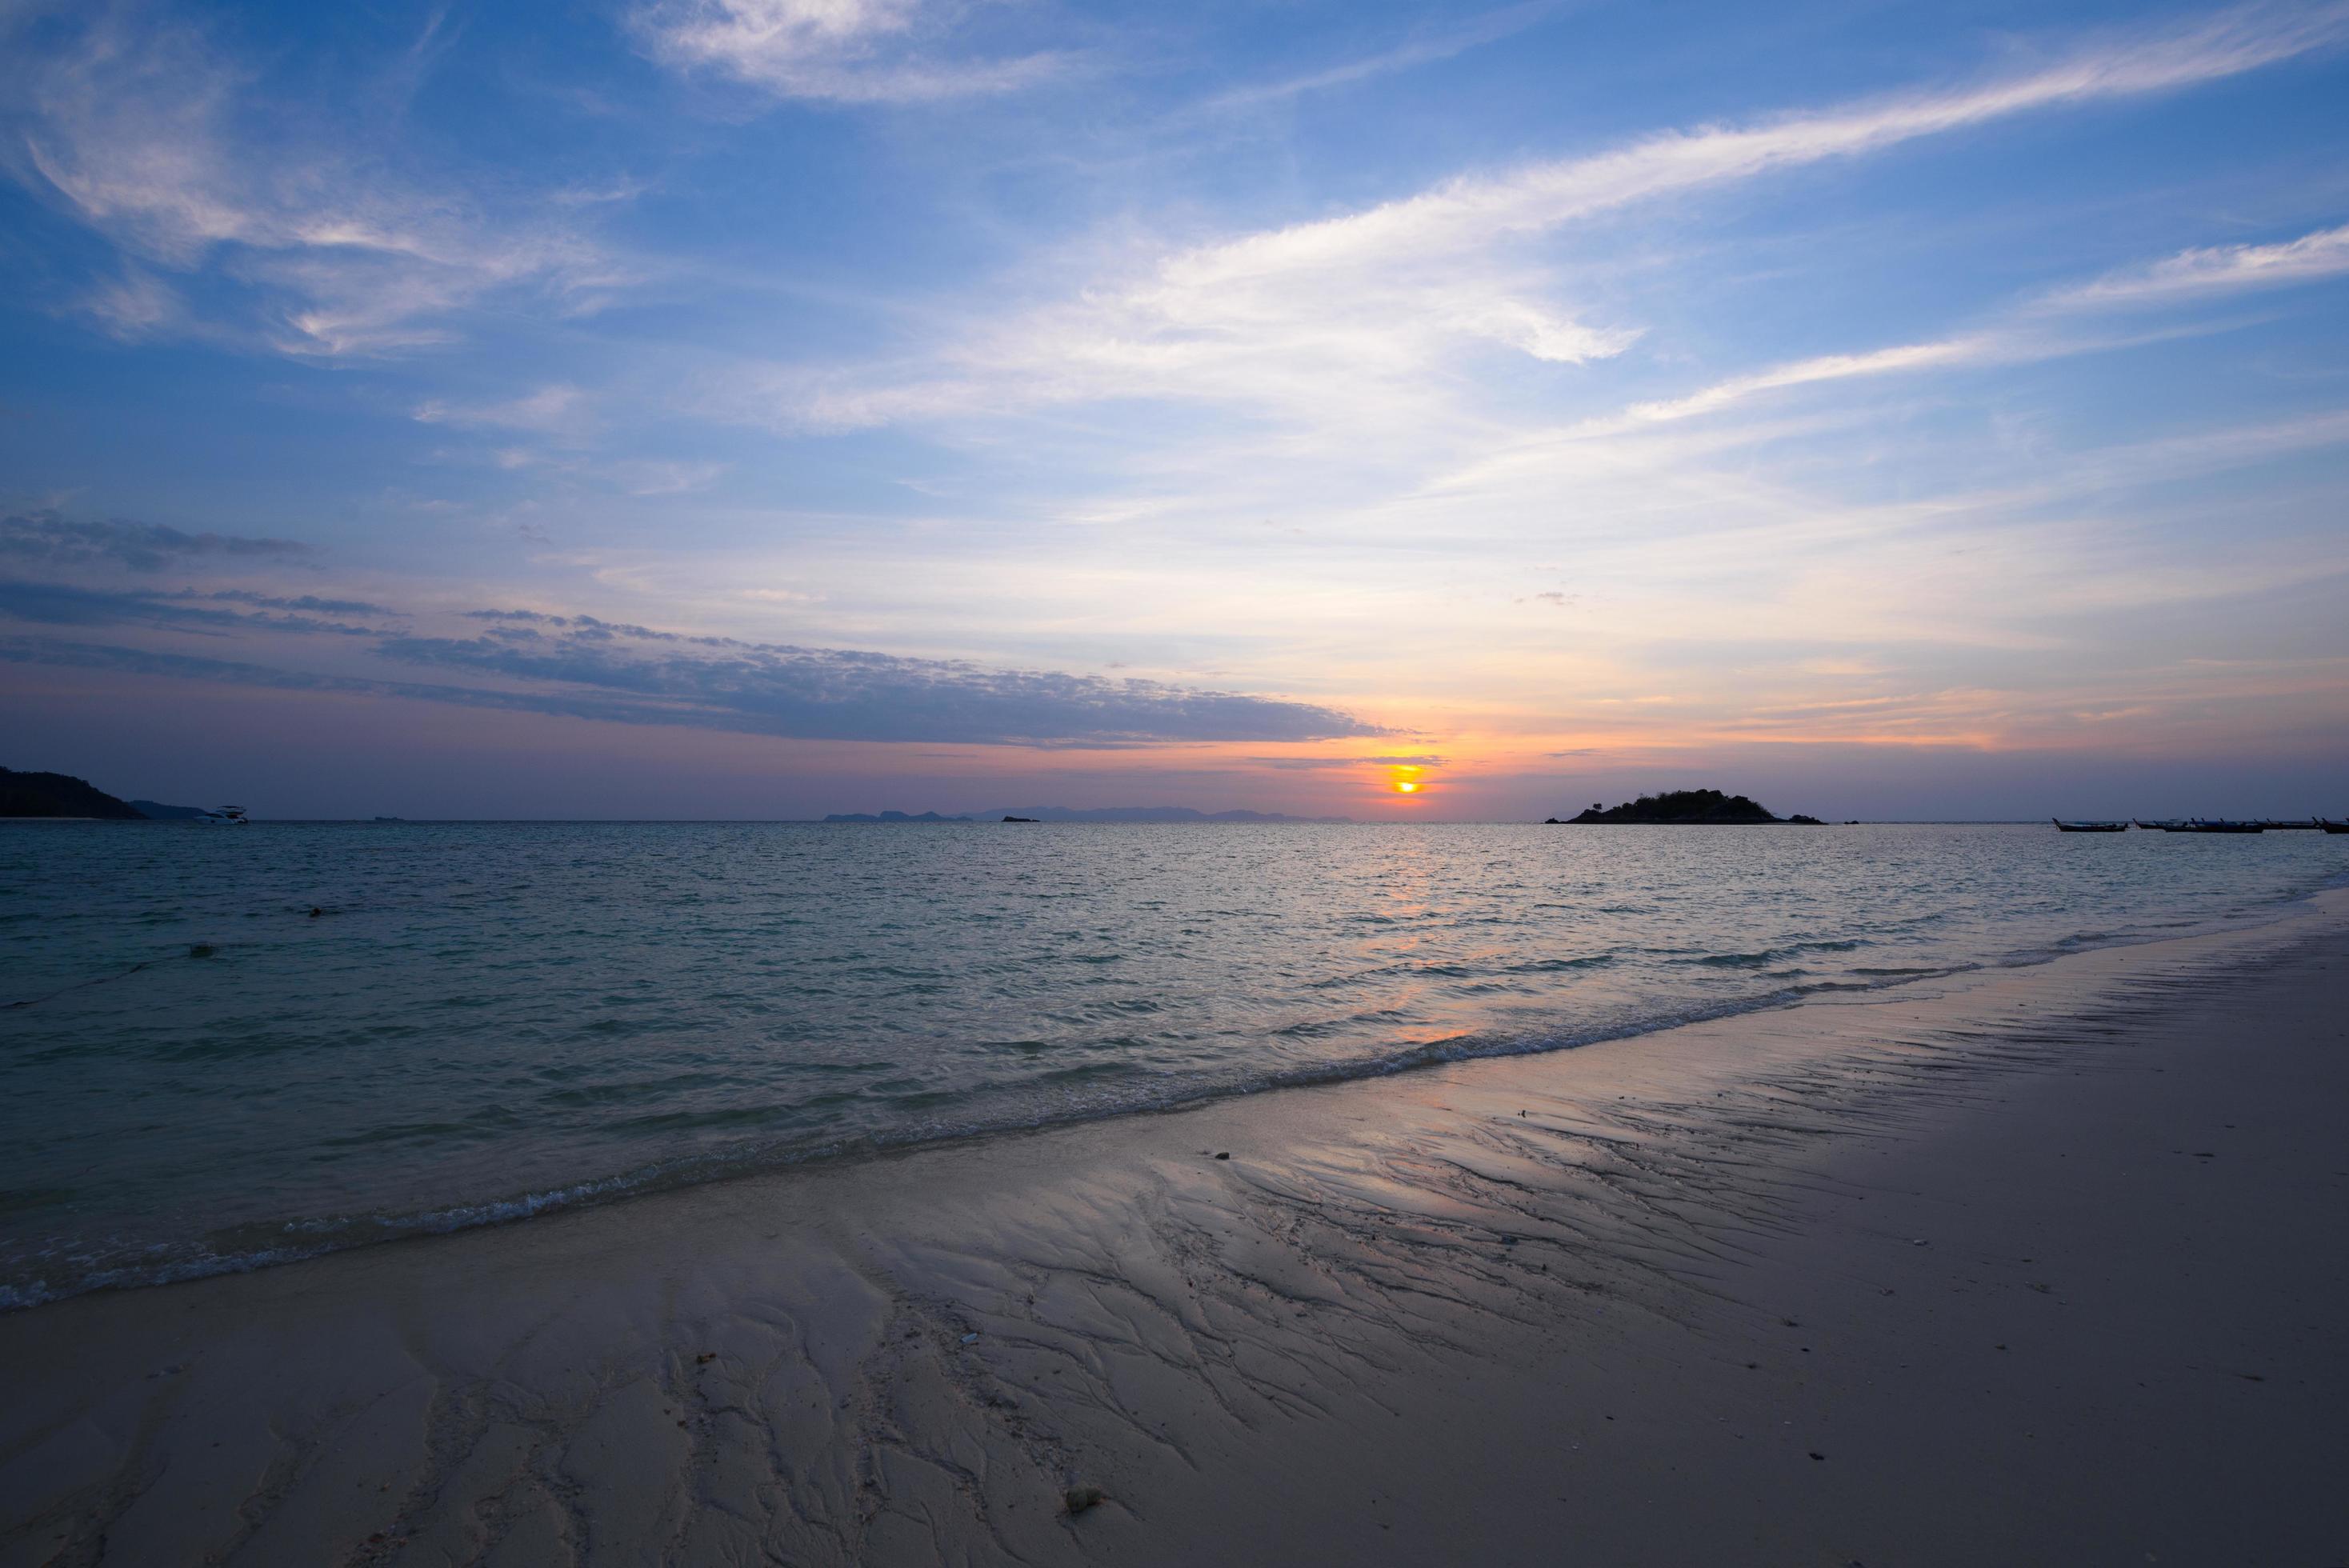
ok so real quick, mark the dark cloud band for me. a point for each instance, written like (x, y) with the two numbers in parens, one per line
(580, 666)
(52, 539)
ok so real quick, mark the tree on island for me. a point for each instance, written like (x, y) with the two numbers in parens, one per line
(1685, 808)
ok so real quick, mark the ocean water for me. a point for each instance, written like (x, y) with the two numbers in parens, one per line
(489, 1020)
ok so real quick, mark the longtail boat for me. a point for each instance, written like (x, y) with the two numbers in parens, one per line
(2332, 827)
(2215, 825)
(2063, 827)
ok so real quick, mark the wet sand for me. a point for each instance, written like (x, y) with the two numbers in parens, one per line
(2046, 1265)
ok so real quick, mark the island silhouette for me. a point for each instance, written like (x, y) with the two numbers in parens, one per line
(60, 795)
(1684, 808)
(63, 796)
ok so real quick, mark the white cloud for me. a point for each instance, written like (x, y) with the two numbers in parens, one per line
(2215, 270)
(843, 51)
(144, 130)
(1824, 368)
(655, 476)
(2188, 274)
(1359, 352)
(1359, 324)
(1485, 29)
(135, 306)
(558, 409)
(1473, 212)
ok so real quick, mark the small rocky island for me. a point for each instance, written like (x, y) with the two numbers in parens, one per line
(1684, 808)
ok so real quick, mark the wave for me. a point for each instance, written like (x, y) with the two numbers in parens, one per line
(58, 1273)
(250, 1247)
(1769, 955)
(75, 985)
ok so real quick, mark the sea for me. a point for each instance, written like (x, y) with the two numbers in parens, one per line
(226, 1047)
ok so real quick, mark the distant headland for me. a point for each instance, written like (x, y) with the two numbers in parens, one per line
(1150, 814)
(1095, 814)
(1685, 808)
(60, 796)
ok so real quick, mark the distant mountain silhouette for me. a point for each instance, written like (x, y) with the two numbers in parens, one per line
(159, 812)
(1149, 814)
(1688, 807)
(1068, 814)
(57, 795)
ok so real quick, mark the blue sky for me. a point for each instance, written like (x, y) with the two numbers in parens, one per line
(772, 407)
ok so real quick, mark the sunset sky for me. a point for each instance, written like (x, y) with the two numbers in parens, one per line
(768, 408)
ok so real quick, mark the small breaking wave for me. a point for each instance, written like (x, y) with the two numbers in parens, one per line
(543, 1054)
(248, 1248)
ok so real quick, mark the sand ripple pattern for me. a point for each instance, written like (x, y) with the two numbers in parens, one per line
(910, 1361)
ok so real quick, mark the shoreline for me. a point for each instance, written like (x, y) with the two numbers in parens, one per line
(1397, 1318)
(687, 1173)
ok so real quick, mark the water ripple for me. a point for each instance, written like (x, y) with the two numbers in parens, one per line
(493, 1020)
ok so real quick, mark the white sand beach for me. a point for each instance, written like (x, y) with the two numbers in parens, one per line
(2036, 1264)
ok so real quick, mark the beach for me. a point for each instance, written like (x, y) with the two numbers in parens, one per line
(2042, 1263)
(893, 782)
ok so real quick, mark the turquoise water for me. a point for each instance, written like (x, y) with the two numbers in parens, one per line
(488, 1020)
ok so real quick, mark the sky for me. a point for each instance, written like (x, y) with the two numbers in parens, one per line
(758, 408)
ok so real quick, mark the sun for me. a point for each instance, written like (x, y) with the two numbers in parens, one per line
(1403, 777)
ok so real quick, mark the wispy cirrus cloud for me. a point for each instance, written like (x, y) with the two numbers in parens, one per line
(146, 129)
(559, 410)
(2191, 276)
(1545, 195)
(134, 306)
(1360, 353)
(1362, 323)
(838, 51)
(2214, 270)
(1902, 357)
(1427, 49)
